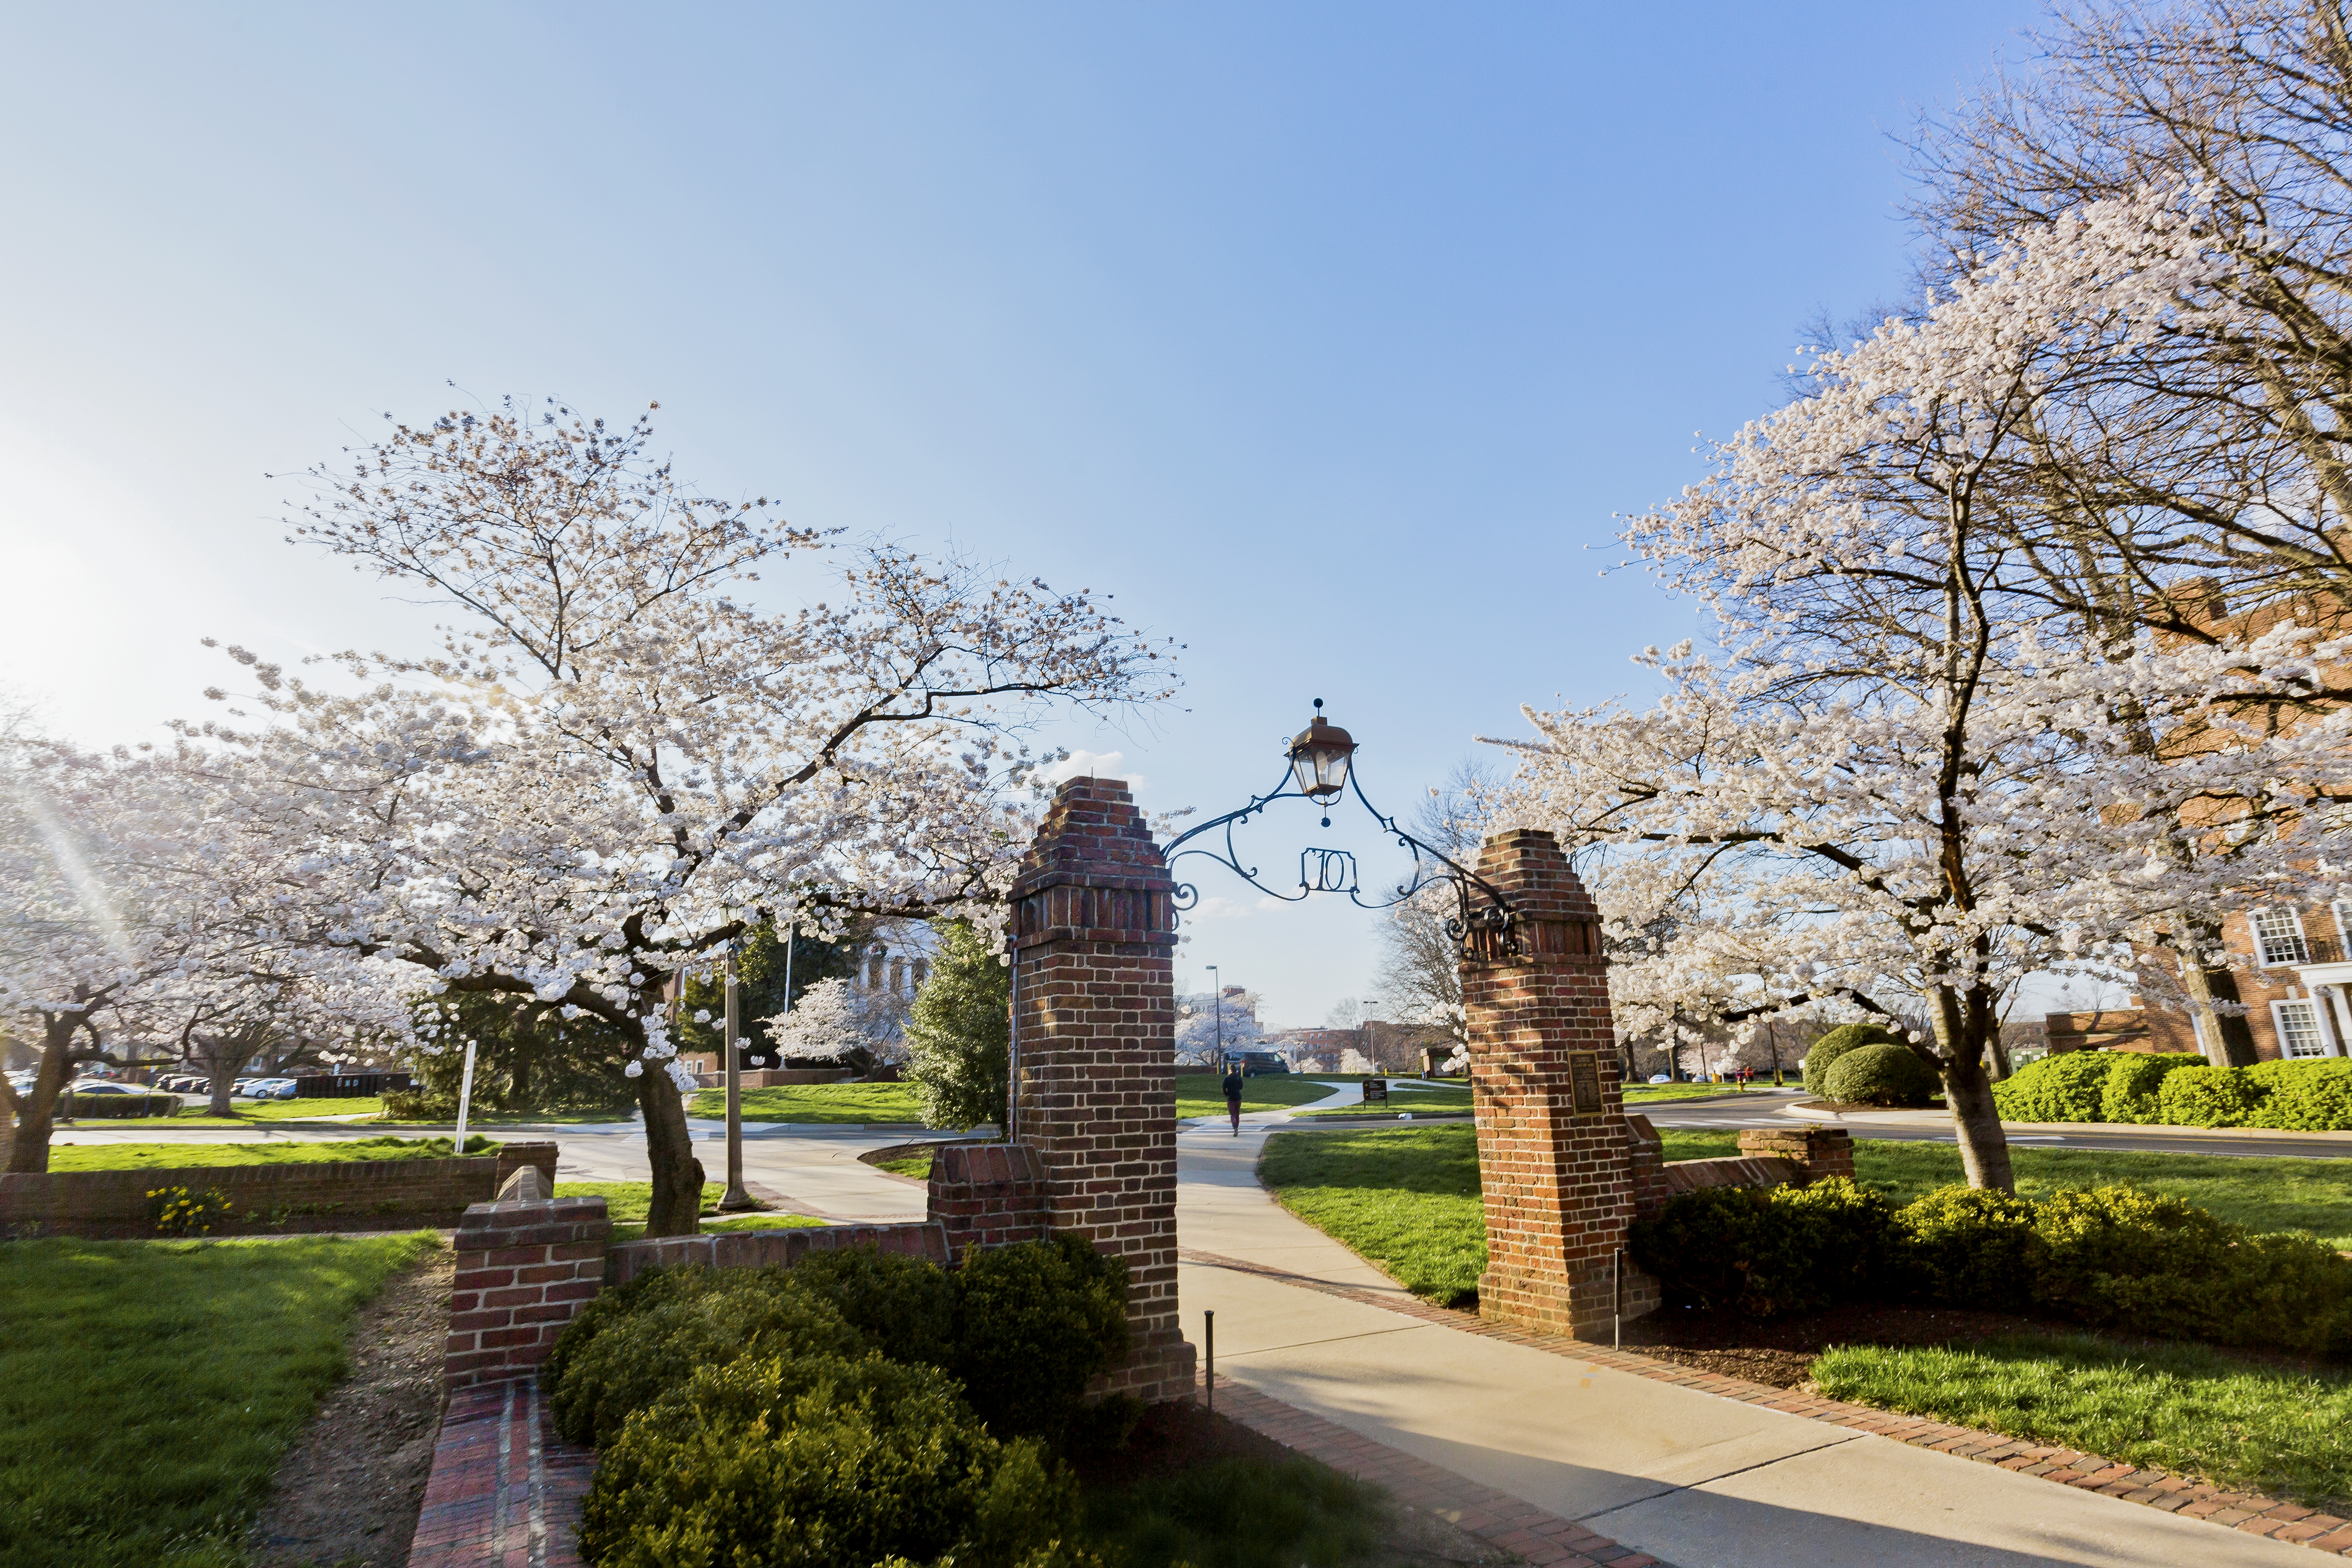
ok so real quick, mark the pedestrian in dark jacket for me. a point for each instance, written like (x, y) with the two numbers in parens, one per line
(1233, 1087)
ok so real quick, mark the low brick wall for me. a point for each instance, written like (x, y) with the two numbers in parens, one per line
(988, 1195)
(344, 1195)
(768, 1249)
(523, 1271)
(1767, 1157)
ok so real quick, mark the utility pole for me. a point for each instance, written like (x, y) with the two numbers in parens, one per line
(736, 1198)
(1217, 1000)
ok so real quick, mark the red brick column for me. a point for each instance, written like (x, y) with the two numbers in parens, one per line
(1556, 1158)
(1094, 933)
(523, 1271)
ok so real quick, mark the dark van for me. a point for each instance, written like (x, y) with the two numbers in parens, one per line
(1253, 1063)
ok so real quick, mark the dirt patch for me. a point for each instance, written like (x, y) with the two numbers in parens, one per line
(347, 1494)
(1180, 1435)
(1779, 1352)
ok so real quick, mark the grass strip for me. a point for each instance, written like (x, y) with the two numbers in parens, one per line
(2174, 1408)
(145, 1156)
(198, 1108)
(1198, 1094)
(148, 1388)
(833, 1102)
(626, 1204)
(918, 1166)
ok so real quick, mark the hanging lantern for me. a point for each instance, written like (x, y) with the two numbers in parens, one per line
(1318, 758)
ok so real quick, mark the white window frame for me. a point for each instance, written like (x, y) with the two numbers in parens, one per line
(2343, 908)
(2320, 1024)
(2262, 955)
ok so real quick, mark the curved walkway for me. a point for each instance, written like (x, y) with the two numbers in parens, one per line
(1672, 1471)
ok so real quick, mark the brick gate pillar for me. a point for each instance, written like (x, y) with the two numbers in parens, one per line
(1556, 1157)
(1094, 1014)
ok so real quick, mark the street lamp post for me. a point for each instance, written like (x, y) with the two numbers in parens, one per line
(736, 1198)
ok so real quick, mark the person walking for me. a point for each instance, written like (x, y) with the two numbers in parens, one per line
(1233, 1087)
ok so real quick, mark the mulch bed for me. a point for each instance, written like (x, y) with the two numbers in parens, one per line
(1779, 1352)
(347, 1493)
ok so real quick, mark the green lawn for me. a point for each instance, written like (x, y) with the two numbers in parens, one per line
(1449, 1098)
(918, 1166)
(1197, 1093)
(2175, 1407)
(197, 1108)
(1638, 1093)
(842, 1102)
(147, 1388)
(143, 1156)
(1408, 1198)
(626, 1202)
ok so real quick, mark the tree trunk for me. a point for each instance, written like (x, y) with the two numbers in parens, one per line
(220, 1079)
(1976, 1120)
(28, 1148)
(2229, 1041)
(677, 1206)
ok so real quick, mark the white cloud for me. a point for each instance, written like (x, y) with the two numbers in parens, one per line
(1218, 908)
(1093, 764)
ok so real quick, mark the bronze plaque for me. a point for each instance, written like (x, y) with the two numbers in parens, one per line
(1585, 1082)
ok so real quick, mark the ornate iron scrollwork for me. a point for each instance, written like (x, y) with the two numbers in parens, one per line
(1483, 924)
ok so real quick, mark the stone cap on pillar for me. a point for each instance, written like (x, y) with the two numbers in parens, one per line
(1553, 916)
(1094, 873)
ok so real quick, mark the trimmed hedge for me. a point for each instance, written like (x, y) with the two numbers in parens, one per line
(2180, 1090)
(2107, 1257)
(2064, 1088)
(1880, 1075)
(1825, 1051)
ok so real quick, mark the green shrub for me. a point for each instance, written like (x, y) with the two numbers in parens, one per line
(820, 1461)
(2134, 1080)
(1880, 1075)
(2119, 1256)
(1769, 1250)
(1034, 1323)
(903, 1306)
(1826, 1050)
(2211, 1097)
(2068, 1087)
(1970, 1247)
(629, 1359)
(2307, 1096)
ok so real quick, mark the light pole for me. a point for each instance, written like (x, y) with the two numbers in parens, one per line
(736, 1198)
(1217, 1002)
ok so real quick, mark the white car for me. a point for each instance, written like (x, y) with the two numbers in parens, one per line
(1661, 1077)
(271, 1089)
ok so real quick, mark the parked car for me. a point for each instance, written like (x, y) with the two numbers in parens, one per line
(102, 1085)
(1662, 1078)
(271, 1089)
(1253, 1063)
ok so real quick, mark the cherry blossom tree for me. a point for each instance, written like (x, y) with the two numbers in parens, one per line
(616, 762)
(1904, 773)
(826, 1024)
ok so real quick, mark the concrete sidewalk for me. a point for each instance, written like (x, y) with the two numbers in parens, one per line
(1698, 1480)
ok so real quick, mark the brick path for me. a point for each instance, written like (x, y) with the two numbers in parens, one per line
(505, 1491)
(2249, 1512)
(1545, 1540)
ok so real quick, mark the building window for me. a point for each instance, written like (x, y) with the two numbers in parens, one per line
(874, 971)
(2278, 937)
(922, 972)
(2299, 1029)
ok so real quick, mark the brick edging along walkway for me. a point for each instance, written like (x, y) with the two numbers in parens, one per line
(2251, 1512)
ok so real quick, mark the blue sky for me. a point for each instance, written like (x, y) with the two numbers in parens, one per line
(1329, 338)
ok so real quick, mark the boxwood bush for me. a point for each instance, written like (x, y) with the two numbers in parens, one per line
(1825, 1051)
(2068, 1087)
(1033, 1325)
(1767, 1251)
(2134, 1080)
(822, 1461)
(2107, 1257)
(104, 1105)
(1880, 1075)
